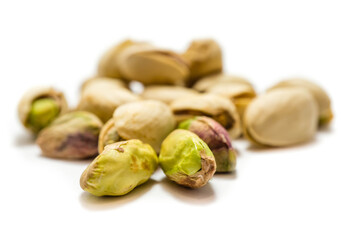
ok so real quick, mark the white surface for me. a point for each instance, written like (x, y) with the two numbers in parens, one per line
(303, 192)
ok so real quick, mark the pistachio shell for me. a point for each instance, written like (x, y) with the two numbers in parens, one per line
(151, 65)
(281, 117)
(119, 168)
(203, 84)
(204, 57)
(217, 138)
(36, 93)
(148, 120)
(167, 94)
(107, 65)
(186, 159)
(108, 135)
(322, 99)
(73, 135)
(112, 82)
(103, 97)
(216, 107)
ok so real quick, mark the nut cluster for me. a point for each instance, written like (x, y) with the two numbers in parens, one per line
(184, 120)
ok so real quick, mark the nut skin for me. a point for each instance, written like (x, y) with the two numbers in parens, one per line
(101, 96)
(217, 138)
(108, 135)
(321, 97)
(148, 120)
(214, 106)
(281, 117)
(39, 106)
(119, 168)
(186, 159)
(74, 135)
(204, 57)
(149, 65)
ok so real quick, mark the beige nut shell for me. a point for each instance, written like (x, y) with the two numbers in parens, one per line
(203, 84)
(281, 117)
(148, 120)
(167, 94)
(103, 97)
(152, 65)
(210, 105)
(322, 99)
(34, 93)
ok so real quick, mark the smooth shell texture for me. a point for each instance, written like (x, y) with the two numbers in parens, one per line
(107, 65)
(281, 117)
(25, 104)
(217, 107)
(167, 94)
(217, 138)
(148, 120)
(322, 99)
(203, 84)
(204, 57)
(186, 159)
(119, 168)
(103, 97)
(151, 65)
(73, 135)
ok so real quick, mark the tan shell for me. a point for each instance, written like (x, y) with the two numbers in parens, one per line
(204, 57)
(35, 93)
(281, 117)
(107, 65)
(167, 94)
(322, 99)
(103, 97)
(217, 107)
(151, 65)
(116, 82)
(203, 84)
(148, 120)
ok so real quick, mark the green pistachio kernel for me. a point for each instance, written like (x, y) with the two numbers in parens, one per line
(43, 112)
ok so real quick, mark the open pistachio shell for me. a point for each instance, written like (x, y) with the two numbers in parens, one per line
(102, 97)
(322, 99)
(203, 84)
(108, 135)
(107, 65)
(281, 117)
(151, 65)
(167, 94)
(214, 106)
(73, 135)
(149, 121)
(119, 168)
(40, 106)
(112, 82)
(217, 138)
(204, 57)
(186, 159)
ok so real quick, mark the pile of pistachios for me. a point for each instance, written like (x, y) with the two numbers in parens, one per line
(183, 120)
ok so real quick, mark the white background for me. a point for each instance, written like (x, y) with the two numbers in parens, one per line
(310, 191)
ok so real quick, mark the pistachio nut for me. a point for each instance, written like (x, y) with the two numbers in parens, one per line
(151, 65)
(203, 84)
(108, 135)
(214, 106)
(119, 168)
(113, 82)
(73, 135)
(102, 97)
(107, 65)
(216, 137)
(281, 117)
(186, 159)
(149, 121)
(40, 106)
(321, 97)
(167, 94)
(204, 57)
